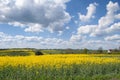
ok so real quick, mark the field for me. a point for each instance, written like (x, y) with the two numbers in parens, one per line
(61, 67)
(17, 52)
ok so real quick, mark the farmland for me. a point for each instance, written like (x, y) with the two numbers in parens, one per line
(61, 67)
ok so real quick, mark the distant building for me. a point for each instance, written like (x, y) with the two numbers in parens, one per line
(109, 51)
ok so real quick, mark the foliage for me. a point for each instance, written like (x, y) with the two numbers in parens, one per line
(37, 52)
(85, 50)
(100, 50)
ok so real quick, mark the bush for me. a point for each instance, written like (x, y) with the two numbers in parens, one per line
(100, 50)
(85, 50)
(37, 52)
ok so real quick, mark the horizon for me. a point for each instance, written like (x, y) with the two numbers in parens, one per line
(61, 48)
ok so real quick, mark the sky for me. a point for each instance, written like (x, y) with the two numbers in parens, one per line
(60, 24)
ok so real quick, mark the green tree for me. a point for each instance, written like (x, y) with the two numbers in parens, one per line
(37, 52)
(85, 50)
(100, 50)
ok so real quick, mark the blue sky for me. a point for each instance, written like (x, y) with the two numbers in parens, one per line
(60, 24)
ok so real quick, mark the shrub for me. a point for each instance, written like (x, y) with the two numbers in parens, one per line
(37, 52)
(100, 50)
(85, 50)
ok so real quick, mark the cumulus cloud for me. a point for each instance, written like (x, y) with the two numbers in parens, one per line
(115, 37)
(20, 41)
(107, 25)
(16, 24)
(91, 9)
(87, 29)
(109, 18)
(34, 28)
(113, 28)
(95, 44)
(8, 38)
(76, 38)
(82, 31)
(35, 15)
(9, 41)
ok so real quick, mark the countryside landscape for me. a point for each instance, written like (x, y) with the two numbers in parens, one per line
(59, 40)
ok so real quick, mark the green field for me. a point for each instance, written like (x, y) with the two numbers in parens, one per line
(12, 52)
(74, 72)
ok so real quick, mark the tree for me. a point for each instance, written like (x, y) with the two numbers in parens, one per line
(85, 50)
(69, 51)
(37, 52)
(100, 50)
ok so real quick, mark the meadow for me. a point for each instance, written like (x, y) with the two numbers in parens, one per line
(16, 52)
(61, 67)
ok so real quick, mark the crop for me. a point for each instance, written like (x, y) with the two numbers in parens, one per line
(61, 67)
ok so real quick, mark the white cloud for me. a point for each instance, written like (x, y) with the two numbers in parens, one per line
(17, 24)
(113, 28)
(114, 37)
(87, 29)
(91, 9)
(109, 18)
(76, 38)
(34, 28)
(67, 27)
(60, 33)
(112, 7)
(20, 41)
(117, 16)
(76, 42)
(2, 34)
(49, 14)
(95, 44)
(82, 31)
(107, 25)
(8, 38)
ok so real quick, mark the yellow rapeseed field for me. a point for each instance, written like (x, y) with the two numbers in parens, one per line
(58, 60)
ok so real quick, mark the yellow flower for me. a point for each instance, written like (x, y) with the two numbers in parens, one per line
(58, 60)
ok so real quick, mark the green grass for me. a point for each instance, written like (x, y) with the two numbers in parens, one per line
(62, 51)
(73, 72)
(16, 52)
